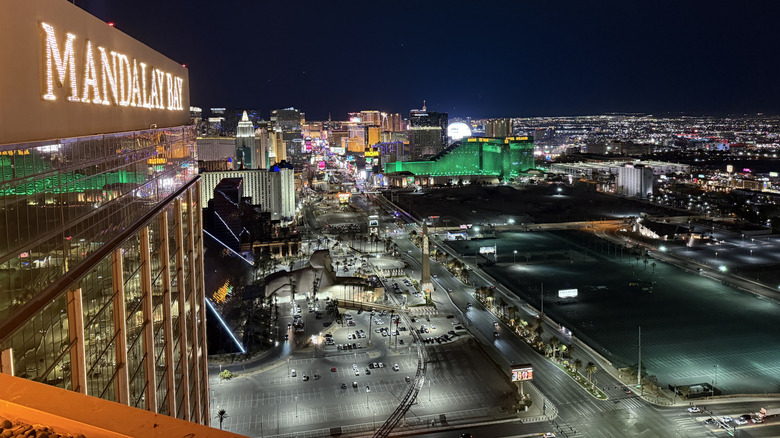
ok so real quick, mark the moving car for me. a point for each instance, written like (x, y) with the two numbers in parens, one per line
(694, 410)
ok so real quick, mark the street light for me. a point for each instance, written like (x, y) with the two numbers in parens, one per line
(514, 257)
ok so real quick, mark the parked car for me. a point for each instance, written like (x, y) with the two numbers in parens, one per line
(293, 373)
(395, 367)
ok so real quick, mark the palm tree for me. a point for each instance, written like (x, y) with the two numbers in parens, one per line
(577, 365)
(652, 265)
(562, 349)
(221, 414)
(549, 350)
(538, 329)
(555, 342)
(590, 368)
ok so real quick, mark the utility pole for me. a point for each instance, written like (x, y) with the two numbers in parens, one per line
(542, 296)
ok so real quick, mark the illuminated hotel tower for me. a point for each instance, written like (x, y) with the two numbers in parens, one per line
(245, 143)
(101, 244)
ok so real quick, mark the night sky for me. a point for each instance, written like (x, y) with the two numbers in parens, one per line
(477, 58)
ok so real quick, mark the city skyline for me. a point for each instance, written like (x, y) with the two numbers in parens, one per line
(507, 59)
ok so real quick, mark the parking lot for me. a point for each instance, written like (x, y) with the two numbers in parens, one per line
(334, 394)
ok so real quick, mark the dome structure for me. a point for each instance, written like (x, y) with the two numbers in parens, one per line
(458, 130)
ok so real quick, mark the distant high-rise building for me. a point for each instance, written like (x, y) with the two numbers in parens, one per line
(288, 119)
(390, 122)
(498, 128)
(216, 148)
(372, 118)
(635, 180)
(273, 190)
(101, 247)
(424, 127)
(245, 144)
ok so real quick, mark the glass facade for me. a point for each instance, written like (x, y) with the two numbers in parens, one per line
(499, 157)
(101, 276)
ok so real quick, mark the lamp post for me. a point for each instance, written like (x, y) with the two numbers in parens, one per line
(296, 406)
(514, 256)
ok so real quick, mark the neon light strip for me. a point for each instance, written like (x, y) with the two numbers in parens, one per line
(211, 306)
(229, 248)
(226, 226)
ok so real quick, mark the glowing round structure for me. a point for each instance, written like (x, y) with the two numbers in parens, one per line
(458, 131)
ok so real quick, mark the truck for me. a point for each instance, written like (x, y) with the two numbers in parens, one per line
(763, 412)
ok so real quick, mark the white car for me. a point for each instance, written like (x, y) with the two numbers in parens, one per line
(293, 373)
(694, 410)
(395, 367)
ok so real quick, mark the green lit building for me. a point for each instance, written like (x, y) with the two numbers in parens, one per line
(478, 158)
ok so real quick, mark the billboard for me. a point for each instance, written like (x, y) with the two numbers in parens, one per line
(521, 373)
(487, 249)
(567, 293)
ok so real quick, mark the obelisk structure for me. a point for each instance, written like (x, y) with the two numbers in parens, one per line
(425, 277)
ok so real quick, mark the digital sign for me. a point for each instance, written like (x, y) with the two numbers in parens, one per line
(521, 373)
(567, 293)
(487, 249)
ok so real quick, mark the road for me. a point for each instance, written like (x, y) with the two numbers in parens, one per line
(579, 413)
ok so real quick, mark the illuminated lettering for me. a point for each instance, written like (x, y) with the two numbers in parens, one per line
(61, 63)
(146, 103)
(90, 77)
(160, 75)
(135, 89)
(125, 79)
(109, 75)
(116, 80)
(179, 98)
(155, 96)
(169, 83)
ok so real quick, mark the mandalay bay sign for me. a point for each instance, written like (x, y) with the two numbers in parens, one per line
(106, 77)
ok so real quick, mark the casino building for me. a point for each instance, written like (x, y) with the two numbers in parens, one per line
(472, 159)
(101, 248)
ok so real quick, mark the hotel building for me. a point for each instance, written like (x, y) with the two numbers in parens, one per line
(101, 267)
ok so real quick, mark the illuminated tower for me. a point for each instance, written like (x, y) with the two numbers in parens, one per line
(245, 143)
(427, 132)
(425, 277)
